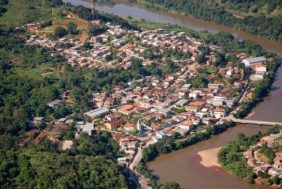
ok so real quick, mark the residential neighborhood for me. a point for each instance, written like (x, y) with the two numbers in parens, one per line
(262, 162)
(151, 108)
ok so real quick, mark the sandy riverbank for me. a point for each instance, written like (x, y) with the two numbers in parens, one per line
(209, 157)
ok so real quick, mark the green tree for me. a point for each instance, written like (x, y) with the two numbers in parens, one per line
(170, 185)
(60, 32)
(72, 28)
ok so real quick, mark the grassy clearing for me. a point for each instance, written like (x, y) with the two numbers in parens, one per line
(25, 12)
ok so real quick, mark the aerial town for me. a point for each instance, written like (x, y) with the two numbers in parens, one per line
(152, 108)
(271, 162)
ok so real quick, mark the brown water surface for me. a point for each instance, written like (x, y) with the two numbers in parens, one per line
(184, 166)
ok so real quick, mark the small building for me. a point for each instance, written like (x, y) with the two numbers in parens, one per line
(38, 120)
(253, 61)
(217, 101)
(54, 103)
(129, 127)
(88, 128)
(114, 125)
(113, 117)
(219, 113)
(97, 112)
(127, 109)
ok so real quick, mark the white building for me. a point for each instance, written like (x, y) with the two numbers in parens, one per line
(88, 128)
(97, 112)
(253, 61)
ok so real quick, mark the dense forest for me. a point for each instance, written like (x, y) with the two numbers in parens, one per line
(259, 17)
(90, 164)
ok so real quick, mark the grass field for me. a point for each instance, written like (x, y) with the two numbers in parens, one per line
(25, 12)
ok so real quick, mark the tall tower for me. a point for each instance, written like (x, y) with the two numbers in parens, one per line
(139, 126)
(93, 8)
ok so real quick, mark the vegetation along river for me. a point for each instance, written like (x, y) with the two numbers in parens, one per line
(184, 165)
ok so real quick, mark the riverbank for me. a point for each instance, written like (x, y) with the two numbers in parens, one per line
(170, 145)
(240, 158)
(184, 167)
(209, 157)
(219, 16)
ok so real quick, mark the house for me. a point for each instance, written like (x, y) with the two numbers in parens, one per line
(256, 77)
(217, 101)
(54, 103)
(38, 120)
(275, 172)
(196, 106)
(278, 161)
(219, 113)
(127, 109)
(123, 161)
(114, 125)
(159, 136)
(260, 69)
(155, 127)
(113, 117)
(97, 112)
(88, 128)
(253, 61)
(186, 86)
(201, 114)
(127, 139)
(129, 127)
(193, 94)
(186, 124)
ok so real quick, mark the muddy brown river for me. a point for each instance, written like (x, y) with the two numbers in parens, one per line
(184, 166)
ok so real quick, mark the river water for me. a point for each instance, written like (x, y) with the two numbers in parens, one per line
(184, 166)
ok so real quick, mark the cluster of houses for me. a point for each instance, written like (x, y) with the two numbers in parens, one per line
(151, 109)
(260, 164)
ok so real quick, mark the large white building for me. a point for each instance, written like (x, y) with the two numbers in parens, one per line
(253, 61)
(97, 112)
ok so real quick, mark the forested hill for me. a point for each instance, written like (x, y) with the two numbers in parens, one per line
(259, 17)
(24, 92)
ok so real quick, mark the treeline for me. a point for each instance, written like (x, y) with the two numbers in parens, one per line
(232, 160)
(172, 144)
(89, 164)
(3, 4)
(264, 25)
